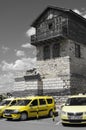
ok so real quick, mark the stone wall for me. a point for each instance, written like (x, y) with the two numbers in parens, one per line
(50, 86)
(62, 74)
(70, 69)
(54, 67)
(77, 68)
(55, 86)
(78, 84)
(63, 49)
(77, 65)
(22, 85)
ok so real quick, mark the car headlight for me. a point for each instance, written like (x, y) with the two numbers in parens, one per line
(15, 111)
(63, 113)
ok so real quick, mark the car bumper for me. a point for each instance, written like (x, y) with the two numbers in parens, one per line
(1, 114)
(75, 120)
(65, 121)
(11, 116)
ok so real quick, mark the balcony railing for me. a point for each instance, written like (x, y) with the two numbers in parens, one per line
(61, 31)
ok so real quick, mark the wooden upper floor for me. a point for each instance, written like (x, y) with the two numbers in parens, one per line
(55, 23)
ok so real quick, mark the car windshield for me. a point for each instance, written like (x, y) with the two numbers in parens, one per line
(5, 102)
(76, 101)
(22, 102)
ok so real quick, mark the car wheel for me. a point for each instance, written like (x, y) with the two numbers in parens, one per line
(50, 113)
(8, 119)
(23, 116)
(64, 124)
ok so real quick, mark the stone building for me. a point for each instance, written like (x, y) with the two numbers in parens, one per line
(60, 41)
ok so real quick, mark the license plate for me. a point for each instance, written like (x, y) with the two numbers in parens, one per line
(7, 114)
(75, 117)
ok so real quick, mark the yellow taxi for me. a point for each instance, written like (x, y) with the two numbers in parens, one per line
(33, 106)
(6, 103)
(74, 110)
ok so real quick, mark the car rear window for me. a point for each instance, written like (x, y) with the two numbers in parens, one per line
(49, 101)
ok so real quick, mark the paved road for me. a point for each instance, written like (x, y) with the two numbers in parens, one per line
(40, 124)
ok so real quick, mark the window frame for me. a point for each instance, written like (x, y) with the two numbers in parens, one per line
(41, 100)
(33, 101)
(77, 50)
(56, 50)
(46, 52)
(49, 100)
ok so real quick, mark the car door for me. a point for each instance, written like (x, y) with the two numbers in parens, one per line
(43, 108)
(33, 108)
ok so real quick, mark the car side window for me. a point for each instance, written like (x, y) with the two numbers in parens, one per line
(49, 101)
(34, 102)
(42, 102)
(13, 103)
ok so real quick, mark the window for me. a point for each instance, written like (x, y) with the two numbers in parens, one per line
(46, 52)
(13, 103)
(76, 101)
(34, 103)
(4, 102)
(77, 51)
(56, 50)
(50, 26)
(49, 101)
(59, 19)
(42, 102)
(22, 102)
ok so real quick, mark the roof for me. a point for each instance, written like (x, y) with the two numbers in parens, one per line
(68, 11)
(34, 97)
(11, 98)
(78, 96)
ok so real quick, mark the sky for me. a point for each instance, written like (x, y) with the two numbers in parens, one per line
(16, 17)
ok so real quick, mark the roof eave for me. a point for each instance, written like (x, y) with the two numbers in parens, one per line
(57, 8)
(48, 7)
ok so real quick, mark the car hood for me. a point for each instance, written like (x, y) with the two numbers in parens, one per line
(2, 107)
(74, 108)
(15, 108)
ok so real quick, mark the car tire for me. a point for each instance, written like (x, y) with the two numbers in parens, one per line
(50, 113)
(8, 119)
(64, 124)
(23, 116)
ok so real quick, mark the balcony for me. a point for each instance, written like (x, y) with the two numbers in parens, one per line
(61, 32)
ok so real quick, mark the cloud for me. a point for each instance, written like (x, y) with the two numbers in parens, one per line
(6, 66)
(21, 64)
(7, 76)
(27, 45)
(6, 82)
(5, 49)
(77, 11)
(9, 71)
(0, 66)
(31, 31)
(20, 53)
(82, 12)
(84, 15)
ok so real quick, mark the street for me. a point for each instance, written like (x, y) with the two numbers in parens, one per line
(34, 124)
